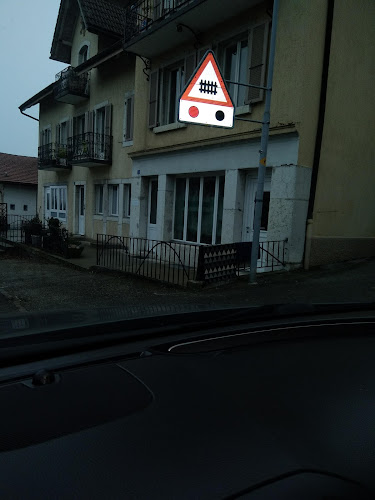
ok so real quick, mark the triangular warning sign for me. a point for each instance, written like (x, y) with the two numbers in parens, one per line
(206, 100)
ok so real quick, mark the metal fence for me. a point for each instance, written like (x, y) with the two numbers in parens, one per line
(12, 227)
(271, 256)
(178, 263)
(24, 229)
(170, 262)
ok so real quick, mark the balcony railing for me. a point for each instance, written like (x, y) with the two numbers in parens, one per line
(90, 149)
(70, 87)
(142, 14)
(53, 156)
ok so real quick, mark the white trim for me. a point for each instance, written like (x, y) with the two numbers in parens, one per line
(127, 96)
(87, 43)
(243, 110)
(100, 105)
(167, 128)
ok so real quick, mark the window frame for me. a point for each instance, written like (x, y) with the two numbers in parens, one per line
(58, 202)
(200, 207)
(128, 129)
(164, 104)
(224, 46)
(127, 187)
(110, 199)
(97, 200)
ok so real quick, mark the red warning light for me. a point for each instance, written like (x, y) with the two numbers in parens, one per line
(193, 111)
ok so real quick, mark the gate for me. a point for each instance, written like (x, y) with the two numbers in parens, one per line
(3, 219)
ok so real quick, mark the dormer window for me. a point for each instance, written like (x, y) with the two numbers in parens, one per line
(83, 54)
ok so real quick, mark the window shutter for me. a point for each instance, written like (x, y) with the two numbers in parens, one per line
(258, 41)
(129, 118)
(108, 119)
(201, 53)
(190, 65)
(153, 100)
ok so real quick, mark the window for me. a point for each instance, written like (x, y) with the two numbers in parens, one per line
(99, 189)
(198, 210)
(244, 60)
(83, 54)
(172, 83)
(12, 206)
(58, 202)
(127, 199)
(166, 85)
(45, 136)
(113, 199)
(25, 208)
(236, 58)
(128, 119)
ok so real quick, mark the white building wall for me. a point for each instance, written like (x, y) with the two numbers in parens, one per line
(20, 195)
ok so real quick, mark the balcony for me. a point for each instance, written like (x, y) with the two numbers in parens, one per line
(90, 149)
(70, 87)
(53, 157)
(156, 26)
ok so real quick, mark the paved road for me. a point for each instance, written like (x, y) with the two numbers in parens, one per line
(36, 285)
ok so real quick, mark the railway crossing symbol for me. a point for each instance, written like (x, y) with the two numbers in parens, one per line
(205, 99)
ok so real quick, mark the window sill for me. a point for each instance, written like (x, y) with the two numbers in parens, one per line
(98, 216)
(243, 110)
(167, 128)
(126, 144)
(126, 220)
(112, 218)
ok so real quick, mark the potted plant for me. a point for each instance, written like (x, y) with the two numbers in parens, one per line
(33, 231)
(62, 154)
(52, 239)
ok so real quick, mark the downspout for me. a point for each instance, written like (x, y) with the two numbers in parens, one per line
(319, 132)
(28, 115)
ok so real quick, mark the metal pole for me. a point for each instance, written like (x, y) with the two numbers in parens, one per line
(263, 149)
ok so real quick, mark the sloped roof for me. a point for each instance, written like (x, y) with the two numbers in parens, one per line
(99, 17)
(18, 169)
(102, 16)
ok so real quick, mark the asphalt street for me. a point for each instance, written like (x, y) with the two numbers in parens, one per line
(32, 284)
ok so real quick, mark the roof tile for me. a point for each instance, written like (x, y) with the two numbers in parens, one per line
(18, 169)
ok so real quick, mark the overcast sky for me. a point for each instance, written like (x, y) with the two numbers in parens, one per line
(26, 31)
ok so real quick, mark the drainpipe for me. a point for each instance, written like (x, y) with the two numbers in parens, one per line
(36, 119)
(319, 132)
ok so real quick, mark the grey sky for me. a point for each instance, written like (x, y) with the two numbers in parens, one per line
(26, 31)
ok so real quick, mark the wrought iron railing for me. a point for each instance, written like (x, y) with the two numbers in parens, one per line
(170, 262)
(140, 15)
(178, 263)
(271, 255)
(68, 82)
(90, 146)
(53, 154)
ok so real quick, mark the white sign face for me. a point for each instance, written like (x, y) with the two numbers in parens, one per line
(206, 100)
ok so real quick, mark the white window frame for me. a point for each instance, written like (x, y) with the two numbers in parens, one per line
(47, 128)
(97, 199)
(127, 200)
(164, 106)
(127, 143)
(55, 196)
(110, 199)
(244, 36)
(83, 44)
(200, 205)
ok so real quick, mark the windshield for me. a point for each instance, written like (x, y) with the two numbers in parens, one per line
(152, 161)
